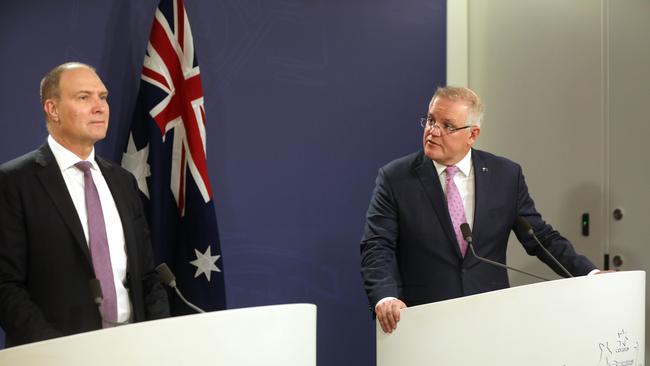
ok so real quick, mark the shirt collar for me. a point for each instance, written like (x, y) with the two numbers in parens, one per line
(464, 165)
(66, 158)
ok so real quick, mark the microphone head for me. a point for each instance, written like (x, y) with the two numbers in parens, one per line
(166, 275)
(96, 291)
(467, 232)
(523, 227)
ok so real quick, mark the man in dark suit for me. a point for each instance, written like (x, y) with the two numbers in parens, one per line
(413, 251)
(51, 242)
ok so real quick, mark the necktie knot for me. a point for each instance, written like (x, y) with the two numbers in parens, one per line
(84, 166)
(451, 171)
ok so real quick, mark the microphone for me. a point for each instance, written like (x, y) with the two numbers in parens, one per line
(467, 234)
(98, 297)
(96, 291)
(168, 278)
(523, 227)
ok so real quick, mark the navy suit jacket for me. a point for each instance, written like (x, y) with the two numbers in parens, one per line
(409, 249)
(45, 263)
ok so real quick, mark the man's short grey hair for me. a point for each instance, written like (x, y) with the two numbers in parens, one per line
(50, 82)
(467, 95)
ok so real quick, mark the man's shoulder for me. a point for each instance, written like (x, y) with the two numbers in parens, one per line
(493, 160)
(416, 159)
(113, 169)
(26, 162)
(404, 163)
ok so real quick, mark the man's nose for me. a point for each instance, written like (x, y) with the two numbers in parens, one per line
(100, 105)
(435, 130)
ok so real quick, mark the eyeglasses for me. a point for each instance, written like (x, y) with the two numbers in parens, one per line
(445, 129)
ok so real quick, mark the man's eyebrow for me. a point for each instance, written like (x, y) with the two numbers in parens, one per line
(103, 92)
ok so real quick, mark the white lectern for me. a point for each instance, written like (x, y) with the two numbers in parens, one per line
(282, 335)
(591, 320)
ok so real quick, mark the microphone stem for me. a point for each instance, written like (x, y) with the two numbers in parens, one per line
(471, 247)
(552, 256)
(196, 308)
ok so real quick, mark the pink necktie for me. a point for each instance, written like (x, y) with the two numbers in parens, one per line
(456, 208)
(99, 252)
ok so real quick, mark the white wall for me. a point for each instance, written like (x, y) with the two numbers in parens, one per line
(538, 67)
(567, 89)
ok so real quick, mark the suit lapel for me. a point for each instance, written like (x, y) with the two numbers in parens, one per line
(481, 185)
(430, 181)
(120, 199)
(52, 180)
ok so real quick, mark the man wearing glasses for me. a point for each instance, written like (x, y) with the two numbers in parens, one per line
(413, 251)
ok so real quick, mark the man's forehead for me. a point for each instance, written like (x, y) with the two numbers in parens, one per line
(80, 78)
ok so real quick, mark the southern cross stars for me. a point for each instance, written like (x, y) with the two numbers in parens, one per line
(135, 161)
(205, 263)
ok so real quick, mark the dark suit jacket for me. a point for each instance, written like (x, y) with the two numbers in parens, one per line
(45, 264)
(409, 249)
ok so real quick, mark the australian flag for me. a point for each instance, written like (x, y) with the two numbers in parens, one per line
(166, 154)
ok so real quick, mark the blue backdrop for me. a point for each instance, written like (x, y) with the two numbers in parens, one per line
(305, 100)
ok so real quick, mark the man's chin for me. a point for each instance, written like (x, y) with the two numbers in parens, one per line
(98, 137)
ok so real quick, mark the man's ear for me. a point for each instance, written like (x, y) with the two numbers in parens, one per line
(474, 134)
(51, 110)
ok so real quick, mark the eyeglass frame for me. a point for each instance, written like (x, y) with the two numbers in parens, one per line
(428, 122)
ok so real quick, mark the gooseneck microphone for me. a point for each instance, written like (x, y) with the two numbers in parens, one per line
(467, 234)
(96, 292)
(168, 278)
(98, 296)
(522, 226)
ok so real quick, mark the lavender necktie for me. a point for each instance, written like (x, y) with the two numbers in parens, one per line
(456, 208)
(99, 252)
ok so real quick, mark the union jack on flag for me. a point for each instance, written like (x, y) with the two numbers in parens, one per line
(166, 152)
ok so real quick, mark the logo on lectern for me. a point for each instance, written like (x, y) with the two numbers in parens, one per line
(620, 350)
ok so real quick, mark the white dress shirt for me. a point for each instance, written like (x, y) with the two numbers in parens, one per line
(74, 181)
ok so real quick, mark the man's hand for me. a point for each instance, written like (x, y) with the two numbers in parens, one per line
(607, 271)
(388, 314)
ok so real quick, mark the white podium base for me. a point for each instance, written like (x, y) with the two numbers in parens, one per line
(592, 320)
(279, 335)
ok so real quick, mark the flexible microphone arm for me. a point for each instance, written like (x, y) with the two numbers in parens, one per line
(467, 234)
(525, 227)
(98, 296)
(168, 278)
